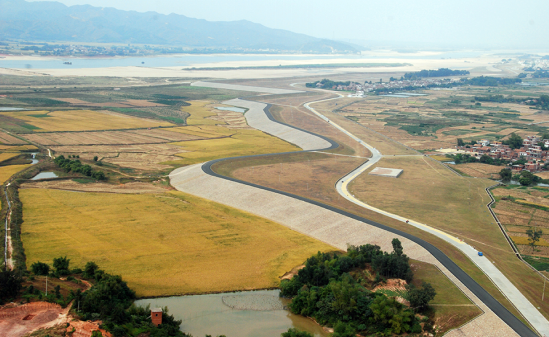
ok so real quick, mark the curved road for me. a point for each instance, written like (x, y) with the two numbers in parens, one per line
(473, 286)
(521, 303)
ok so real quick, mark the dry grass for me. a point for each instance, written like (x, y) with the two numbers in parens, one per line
(162, 244)
(452, 307)
(81, 120)
(7, 171)
(428, 192)
(479, 170)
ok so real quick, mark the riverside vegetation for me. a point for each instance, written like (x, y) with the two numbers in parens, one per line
(335, 291)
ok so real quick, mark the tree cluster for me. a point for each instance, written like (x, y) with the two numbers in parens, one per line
(326, 290)
(327, 84)
(77, 167)
(488, 81)
(442, 72)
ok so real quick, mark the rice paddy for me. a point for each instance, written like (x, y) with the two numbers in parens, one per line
(162, 244)
(7, 171)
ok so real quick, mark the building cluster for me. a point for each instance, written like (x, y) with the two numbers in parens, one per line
(530, 151)
(405, 84)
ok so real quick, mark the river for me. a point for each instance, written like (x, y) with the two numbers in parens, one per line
(193, 59)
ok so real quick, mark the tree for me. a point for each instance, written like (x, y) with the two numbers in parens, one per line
(90, 269)
(95, 158)
(40, 268)
(343, 330)
(533, 237)
(293, 332)
(420, 297)
(460, 142)
(514, 141)
(506, 174)
(61, 265)
(10, 284)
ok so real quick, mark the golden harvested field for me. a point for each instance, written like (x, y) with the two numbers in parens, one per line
(162, 244)
(242, 142)
(7, 155)
(125, 137)
(8, 148)
(200, 113)
(81, 120)
(7, 171)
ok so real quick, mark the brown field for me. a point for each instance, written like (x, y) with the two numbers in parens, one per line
(543, 175)
(518, 216)
(130, 103)
(162, 244)
(479, 170)
(141, 157)
(152, 136)
(17, 148)
(8, 139)
(81, 120)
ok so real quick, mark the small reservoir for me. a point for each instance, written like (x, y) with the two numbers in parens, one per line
(243, 314)
(44, 175)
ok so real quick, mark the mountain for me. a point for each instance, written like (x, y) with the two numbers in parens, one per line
(50, 21)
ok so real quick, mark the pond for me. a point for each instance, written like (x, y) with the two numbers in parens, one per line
(235, 109)
(514, 182)
(10, 109)
(44, 175)
(34, 160)
(244, 314)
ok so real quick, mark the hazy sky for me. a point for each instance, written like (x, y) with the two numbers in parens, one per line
(489, 23)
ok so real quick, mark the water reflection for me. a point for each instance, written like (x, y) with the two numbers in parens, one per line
(207, 314)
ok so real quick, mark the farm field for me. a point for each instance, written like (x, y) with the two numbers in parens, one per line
(7, 171)
(521, 208)
(80, 120)
(479, 170)
(162, 244)
(438, 119)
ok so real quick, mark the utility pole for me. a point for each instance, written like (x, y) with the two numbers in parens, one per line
(46, 285)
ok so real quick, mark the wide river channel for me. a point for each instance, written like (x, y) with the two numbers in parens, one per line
(241, 314)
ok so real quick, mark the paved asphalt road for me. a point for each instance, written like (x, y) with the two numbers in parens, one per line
(482, 294)
(473, 286)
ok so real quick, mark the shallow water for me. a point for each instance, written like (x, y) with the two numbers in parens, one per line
(193, 59)
(259, 314)
(235, 109)
(44, 175)
(34, 160)
(10, 109)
